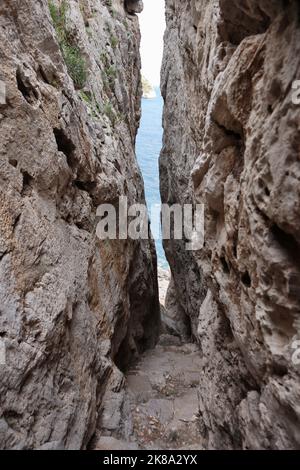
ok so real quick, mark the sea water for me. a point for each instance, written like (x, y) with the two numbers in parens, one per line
(149, 143)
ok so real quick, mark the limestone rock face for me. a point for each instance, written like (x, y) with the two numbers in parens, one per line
(231, 142)
(71, 306)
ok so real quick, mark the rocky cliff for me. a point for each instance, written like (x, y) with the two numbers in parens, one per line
(231, 142)
(72, 306)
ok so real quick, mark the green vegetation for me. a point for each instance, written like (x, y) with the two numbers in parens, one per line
(75, 64)
(91, 102)
(109, 76)
(104, 58)
(58, 16)
(114, 41)
(109, 5)
(71, 53)
(109, 112)
(97, 106)
(111, 73)
(113, 116)
(86, 98)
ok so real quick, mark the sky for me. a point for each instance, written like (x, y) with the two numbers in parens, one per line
(152, 23)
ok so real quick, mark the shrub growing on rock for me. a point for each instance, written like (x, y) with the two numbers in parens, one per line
(71, 53)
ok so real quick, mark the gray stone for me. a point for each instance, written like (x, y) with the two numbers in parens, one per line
(71, 305)
(111, 443)
(230, 129)
(54, 445)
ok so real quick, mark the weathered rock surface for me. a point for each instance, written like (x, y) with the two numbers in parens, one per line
(231, 142)
(71, 305)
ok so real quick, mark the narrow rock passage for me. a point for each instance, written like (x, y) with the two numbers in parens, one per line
(162, 396)
(161, 400)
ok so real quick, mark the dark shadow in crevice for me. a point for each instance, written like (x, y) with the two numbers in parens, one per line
(66, 146)
(287, 242)
(225, 265)
(87, 186)
(246, 279)
(27, 183)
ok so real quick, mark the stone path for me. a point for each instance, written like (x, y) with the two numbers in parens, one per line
(161, 403)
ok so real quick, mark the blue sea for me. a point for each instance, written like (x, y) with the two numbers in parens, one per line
(149, 143)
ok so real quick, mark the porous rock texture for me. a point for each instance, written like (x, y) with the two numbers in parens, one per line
(231, 142)
(71, 306)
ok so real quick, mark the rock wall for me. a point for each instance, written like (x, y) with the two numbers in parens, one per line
(71, 305)
(231, 141)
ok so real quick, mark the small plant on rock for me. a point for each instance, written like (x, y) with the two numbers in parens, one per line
(108, 110)
(71, 53)
(114, 41)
